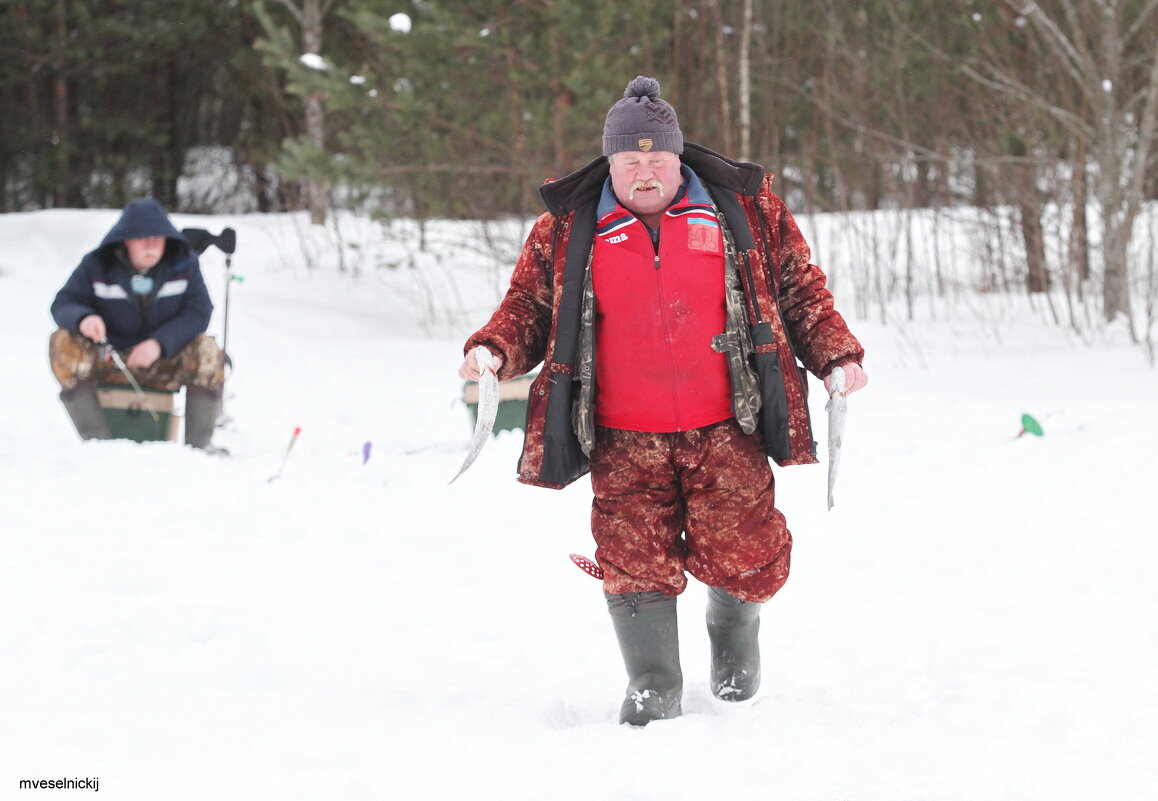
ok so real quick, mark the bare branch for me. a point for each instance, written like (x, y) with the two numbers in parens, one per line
(911, 149)
(1078, 33)
(297, 12)
(1081, 66)
(1139, 22)
(1147, 133)
(1007, 84)
(465, 169)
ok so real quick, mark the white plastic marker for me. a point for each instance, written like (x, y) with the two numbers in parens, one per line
(488, 406)
(837, 407)
(284, 458)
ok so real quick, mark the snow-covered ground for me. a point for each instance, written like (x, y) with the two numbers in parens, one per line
(977, 619)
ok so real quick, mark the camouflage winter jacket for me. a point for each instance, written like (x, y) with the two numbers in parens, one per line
(546, 316)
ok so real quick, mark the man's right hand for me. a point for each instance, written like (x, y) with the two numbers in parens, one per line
(93, 327)
(471, 369)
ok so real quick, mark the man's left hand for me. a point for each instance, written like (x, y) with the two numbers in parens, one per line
(854, 378)
(144, 354)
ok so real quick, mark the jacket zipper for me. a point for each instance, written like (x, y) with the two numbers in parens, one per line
(672, 366)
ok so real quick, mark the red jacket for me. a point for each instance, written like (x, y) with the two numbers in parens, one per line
(657, 307)
(539, 318)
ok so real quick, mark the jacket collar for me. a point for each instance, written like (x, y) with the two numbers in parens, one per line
(690, 191)
(585, 185)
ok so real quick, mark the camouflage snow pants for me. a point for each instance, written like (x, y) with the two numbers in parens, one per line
(74, 359)
(713, 486)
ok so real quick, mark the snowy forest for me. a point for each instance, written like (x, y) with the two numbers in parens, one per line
(1039, 118)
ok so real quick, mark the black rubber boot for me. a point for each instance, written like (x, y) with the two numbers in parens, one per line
(733, 628)
(85, 410)
(202, 408)
(645, 624)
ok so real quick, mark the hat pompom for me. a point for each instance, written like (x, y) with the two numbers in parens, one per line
(642, 86)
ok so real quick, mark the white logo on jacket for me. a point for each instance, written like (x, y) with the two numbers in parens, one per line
(615, 240)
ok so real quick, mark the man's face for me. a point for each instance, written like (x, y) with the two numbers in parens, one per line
(145, 253)
(645, 183)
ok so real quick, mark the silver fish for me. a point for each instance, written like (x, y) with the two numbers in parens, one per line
(837, 407)
(488, 409)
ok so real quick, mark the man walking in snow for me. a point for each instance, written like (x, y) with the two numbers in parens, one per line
(140, 292)
(668, 293)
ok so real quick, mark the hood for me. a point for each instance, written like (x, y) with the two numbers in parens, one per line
(140, 219)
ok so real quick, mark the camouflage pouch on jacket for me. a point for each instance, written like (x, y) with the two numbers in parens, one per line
(736, 341)
(583, 409)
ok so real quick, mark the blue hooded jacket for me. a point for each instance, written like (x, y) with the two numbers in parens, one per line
(175, 310)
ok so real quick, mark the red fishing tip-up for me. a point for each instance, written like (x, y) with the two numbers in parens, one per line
(587, 566)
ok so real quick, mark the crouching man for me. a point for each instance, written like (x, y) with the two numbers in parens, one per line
(141, 293)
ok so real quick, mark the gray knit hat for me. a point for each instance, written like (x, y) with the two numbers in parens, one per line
(641, 121)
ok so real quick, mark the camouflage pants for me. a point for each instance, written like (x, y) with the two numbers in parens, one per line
(200, 364)
(713, 486)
